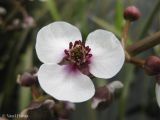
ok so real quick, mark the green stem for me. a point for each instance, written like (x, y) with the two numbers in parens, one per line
(144, 44)
(136, 61)
(51, 5)
(10, 83)
(26, 64)
(92, 113)
(125, 34)
(125, 92)
(119, 14)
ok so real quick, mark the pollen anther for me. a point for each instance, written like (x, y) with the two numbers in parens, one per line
(77, 53)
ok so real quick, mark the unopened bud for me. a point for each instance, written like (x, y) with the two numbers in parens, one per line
(28, 22)
(2, 11)
(131, 13)
(69, 106)
(152, 65)
(102, 98)
(15, 25)
(40, 110)
(49, 104)
(115, 85)
(64, 110)
(26, 79)
(104, 95)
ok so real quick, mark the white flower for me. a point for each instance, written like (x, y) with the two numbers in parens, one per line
(67, 61)
(158, 93)
(157, 88)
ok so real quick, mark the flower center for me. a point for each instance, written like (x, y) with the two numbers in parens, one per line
(78, 54)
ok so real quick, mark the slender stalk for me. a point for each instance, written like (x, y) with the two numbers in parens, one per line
(125, 33)
(26, 63)
(127, 80)
(35, 92)
(123, 100)
(144, 44)
(136, 61)
(125, 38)
(92, 113)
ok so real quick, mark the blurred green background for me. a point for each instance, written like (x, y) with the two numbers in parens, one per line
(17, 52)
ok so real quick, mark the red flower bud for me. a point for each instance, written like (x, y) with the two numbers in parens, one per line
(40, 110)
(63, 110)
(102, 98)
(104, 95)
(152, 65)
(131, 13)
(28, 22)
(26, 79)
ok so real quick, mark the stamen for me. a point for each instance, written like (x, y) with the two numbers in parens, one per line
(89, 55)
(66, 52)
(76, 43)
(78, 54)
(70, 45)
(87, 47)
(88, 50)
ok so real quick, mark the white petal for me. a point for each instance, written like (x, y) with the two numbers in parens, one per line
(65, 85)
(108, 54)
(96, 102)
(158, 94)
(53, 39)
(115, 85)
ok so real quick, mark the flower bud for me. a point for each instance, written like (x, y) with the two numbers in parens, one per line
(2, 11)
(104, 95)
(49, 104)
(64, 110)
(152, 65)
(131, 13)
(27, 79)
(69, 106)
(102, 98)
(28, 22)
(40, 110)
(114, 86)
(15, 25)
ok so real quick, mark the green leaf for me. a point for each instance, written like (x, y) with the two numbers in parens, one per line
(104, 24)
(51, 5)
(119, 14)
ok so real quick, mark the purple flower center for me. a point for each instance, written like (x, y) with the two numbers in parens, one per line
(78, 54)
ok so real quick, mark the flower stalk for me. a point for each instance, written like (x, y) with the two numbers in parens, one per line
(125, 33)
(137, 61)
(125, 38)
(35, 92)
(144, 44)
